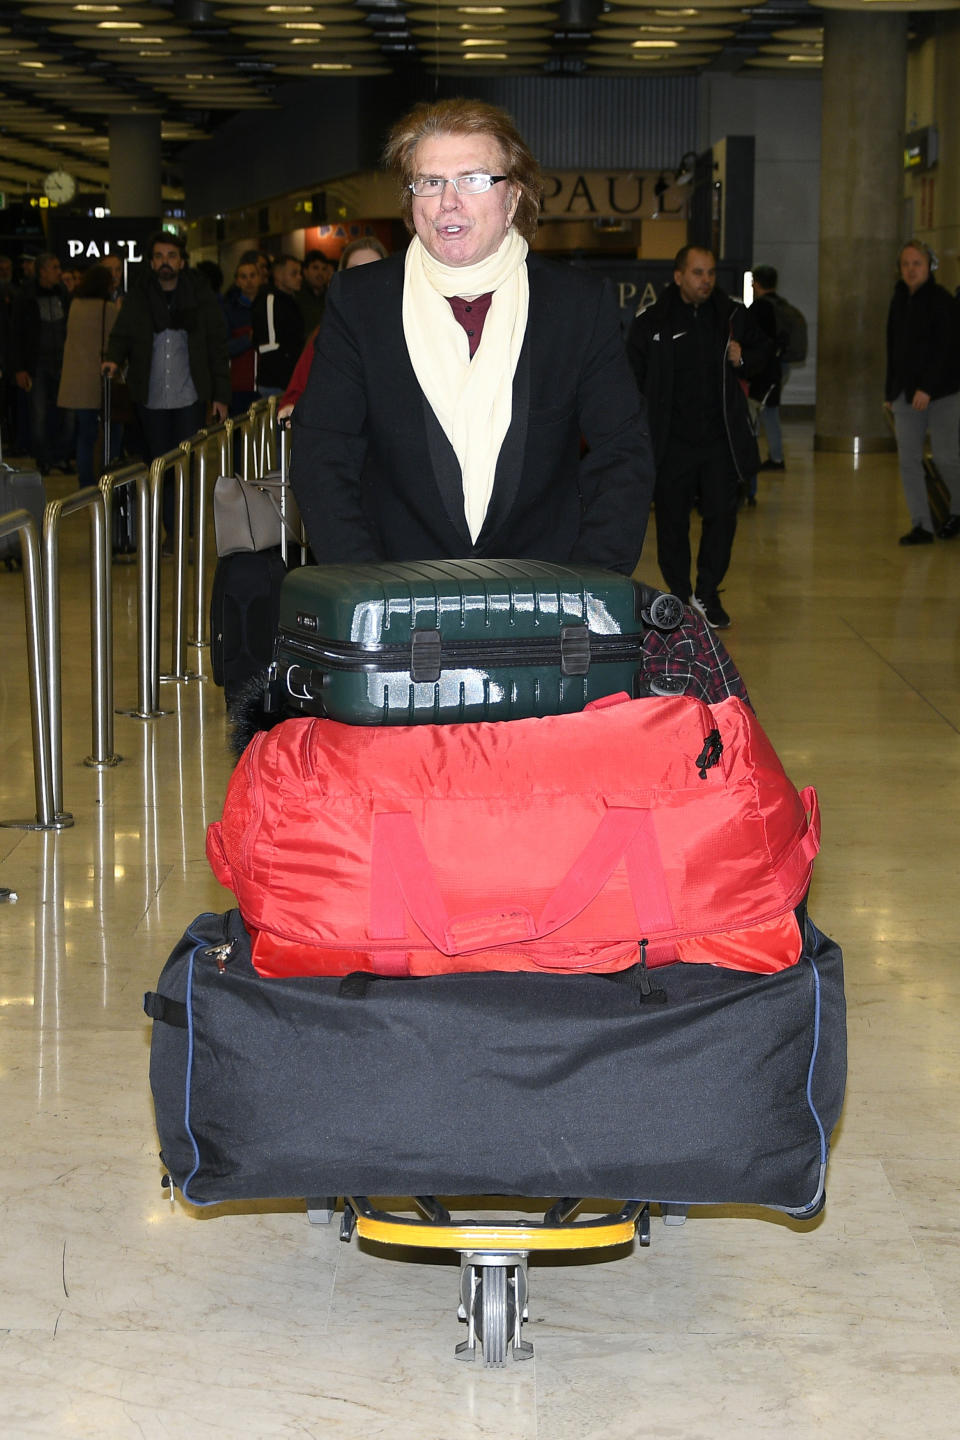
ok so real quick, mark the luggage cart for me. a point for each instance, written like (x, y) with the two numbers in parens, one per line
(493, 1257)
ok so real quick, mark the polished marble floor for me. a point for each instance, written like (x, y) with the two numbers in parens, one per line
(123, 1316)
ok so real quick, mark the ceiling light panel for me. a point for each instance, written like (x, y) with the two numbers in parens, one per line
(259, 34)
(460, 30)
(481, 16)
(487, 7)
(800, 34)
(622, 24)
(782, 62)
(691, 14)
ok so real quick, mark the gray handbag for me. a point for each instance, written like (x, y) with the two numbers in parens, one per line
(253, 514)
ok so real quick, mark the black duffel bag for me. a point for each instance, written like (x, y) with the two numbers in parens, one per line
(720, 1086)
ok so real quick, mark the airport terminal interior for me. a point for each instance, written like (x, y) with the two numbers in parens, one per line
(123, 1315)
(817, 138)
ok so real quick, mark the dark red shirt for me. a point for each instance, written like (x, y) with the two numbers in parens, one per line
(471, 315)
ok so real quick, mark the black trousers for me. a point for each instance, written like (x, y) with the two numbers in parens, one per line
(163, 430)
(702, 475)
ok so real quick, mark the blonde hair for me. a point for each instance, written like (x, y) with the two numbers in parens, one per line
(467, 117)
(363, 242)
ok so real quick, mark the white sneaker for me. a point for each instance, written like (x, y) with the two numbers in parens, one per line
(712, 611)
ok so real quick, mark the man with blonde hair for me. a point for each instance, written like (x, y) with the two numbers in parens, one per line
(470, 398)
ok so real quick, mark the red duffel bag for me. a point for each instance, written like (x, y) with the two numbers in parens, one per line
(649, 828)
(663, 828)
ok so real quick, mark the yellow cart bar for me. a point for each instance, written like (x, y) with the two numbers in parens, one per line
(493, 1257)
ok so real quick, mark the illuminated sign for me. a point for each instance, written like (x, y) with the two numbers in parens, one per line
(85, 240)
(921, 149)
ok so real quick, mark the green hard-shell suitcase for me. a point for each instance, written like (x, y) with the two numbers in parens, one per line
(441, 641)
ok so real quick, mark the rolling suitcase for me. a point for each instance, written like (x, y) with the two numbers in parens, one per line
(938, 495)
(244, 607)
(19, 490)
(725, 1091)
(442, 641)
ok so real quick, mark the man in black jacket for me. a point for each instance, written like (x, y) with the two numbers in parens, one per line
(172, 337)
(923, 388)
(278, 333)
(468, 399)
(690, 351)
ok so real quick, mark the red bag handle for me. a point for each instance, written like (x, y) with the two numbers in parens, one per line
(402, 881)
(809, 846)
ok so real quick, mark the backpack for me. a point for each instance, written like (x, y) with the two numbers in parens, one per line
(635, 830)
(791, 330)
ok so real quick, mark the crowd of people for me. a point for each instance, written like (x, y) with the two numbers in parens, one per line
(56, 329)
(177, 351)
(468, 397)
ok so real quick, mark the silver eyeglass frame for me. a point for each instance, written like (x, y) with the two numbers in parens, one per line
(454, 180)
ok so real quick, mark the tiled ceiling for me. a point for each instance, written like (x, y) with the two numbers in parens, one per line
(66, 68)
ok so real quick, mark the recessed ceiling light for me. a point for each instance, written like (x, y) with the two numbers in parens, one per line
(486, 57)
(119, 25)
(653, 44)
(302, 25)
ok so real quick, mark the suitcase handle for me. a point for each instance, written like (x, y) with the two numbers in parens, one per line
(402, 882)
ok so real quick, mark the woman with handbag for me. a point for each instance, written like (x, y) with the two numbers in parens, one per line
(91, 318)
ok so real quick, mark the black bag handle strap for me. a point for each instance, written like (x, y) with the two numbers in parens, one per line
(161, 1007)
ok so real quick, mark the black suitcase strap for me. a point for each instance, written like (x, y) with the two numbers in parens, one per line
(161, 1007)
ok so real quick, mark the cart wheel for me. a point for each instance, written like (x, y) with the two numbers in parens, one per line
(494, 1323)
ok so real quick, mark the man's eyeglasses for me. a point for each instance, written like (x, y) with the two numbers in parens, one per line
(426, 186)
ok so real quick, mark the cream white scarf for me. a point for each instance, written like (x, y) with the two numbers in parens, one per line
(472, 399)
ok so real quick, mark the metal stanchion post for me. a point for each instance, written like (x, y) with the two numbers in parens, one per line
(288, 507)
(101, 651)
(178, 660)
(92, 498)
(249, 468)
(175, 460)
(46, 817)
(214, 440)
(201, 450)
(138, 475)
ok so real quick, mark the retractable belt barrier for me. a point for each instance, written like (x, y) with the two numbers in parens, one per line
(21, 521)
(113, 480)
(101, 660)
(256, 435)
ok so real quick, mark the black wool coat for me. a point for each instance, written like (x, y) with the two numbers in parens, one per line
(376, 478)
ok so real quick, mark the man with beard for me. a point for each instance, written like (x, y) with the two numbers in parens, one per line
(172, 337)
